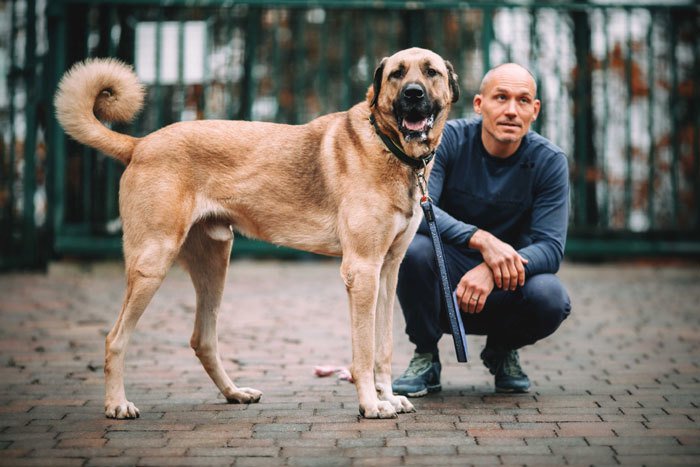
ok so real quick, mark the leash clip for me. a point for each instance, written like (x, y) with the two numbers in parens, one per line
(421, 182)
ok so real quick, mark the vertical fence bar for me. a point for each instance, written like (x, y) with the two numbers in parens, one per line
(562, 87)
(696, 134)
(346, 61)
(230, 94)
(535, 65)
(251, 41)
(56, 138)
(369, 45)
(300, 69)
(395, 19)
(323, 65)
(437, 30)
(460, 16)
(11, 90)
(581, 96)
(111, 171)
(486, 38)
(675, 143)
(181, 88)
(605, 215)
(89, 155)
(157, 87)
(277, 62)
(652, 137)
(628, 119)
(29, 230)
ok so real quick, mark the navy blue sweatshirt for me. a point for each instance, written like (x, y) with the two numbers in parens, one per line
(523, 200)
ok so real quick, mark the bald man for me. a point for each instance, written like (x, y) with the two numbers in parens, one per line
(501, 193)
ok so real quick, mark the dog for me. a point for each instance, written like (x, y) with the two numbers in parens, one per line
(331, 186)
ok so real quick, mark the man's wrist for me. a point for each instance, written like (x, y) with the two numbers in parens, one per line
(476, 241)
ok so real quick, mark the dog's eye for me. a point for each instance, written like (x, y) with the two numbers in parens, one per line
(396, 74)
(431, 72)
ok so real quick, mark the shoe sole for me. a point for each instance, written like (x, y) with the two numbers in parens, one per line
(424, 392)
(512, 391)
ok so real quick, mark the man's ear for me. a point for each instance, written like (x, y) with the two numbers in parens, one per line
(477, 103)
(452, 78)
(376, 87)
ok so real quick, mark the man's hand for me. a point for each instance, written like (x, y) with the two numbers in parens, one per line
(474, 287)
(507, 265)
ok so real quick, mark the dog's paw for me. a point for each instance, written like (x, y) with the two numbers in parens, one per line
(379, 409)
(243, 395)
(121, 410)
(401, 404)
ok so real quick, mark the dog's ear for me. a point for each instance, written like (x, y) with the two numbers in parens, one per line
(377, 85)
(452, 78)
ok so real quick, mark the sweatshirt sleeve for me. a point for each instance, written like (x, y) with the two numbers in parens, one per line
(452, 231)
(550, 218)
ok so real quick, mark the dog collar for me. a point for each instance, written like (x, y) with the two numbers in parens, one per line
(414, 163)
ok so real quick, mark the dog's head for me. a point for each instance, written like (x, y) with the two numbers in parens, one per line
(411, 97)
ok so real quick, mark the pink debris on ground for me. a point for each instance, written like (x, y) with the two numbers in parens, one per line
(327, 370)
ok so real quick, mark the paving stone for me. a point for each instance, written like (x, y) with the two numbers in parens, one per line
(619, 383)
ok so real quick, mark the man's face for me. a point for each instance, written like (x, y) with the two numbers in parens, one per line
(508, 106)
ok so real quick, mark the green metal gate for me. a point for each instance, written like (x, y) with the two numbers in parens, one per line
(619, 85)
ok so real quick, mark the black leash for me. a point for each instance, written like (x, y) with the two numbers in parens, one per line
(448, 297)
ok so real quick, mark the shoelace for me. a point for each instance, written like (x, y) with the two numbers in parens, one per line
(511, 364)
(418, 365)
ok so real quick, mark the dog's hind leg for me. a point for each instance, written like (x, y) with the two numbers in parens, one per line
(383, 336)
(206, 254)
(146, 266)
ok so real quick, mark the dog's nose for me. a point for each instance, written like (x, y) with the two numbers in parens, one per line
(413, 92)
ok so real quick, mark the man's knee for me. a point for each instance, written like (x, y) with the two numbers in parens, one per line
(548, 299)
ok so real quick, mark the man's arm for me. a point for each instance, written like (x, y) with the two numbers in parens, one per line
(548, 224)
(550, 219)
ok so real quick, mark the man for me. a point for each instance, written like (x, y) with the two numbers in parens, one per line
(501, 195)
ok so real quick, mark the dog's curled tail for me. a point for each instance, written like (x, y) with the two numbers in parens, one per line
(105, 89)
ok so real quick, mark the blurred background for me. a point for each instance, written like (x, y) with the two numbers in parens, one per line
(619, 83)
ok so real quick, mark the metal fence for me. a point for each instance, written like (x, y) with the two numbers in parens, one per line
(619, 85)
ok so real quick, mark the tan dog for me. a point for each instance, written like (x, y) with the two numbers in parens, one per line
(330, 187)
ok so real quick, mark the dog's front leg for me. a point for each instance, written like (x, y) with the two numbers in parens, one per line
(383, 339)
(361, 279)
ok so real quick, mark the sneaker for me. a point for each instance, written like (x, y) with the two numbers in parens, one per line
(505, 366)
(421, 377)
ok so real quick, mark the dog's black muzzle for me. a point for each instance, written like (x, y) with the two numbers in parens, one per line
(415, 112)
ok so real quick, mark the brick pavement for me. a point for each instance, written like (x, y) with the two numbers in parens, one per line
(617, 384)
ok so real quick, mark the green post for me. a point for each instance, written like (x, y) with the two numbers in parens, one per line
(675, 120)
(652, 140)
(534, 53)
(583, 150)
(605, 215)
(696, 134)
(56, 12)
(160, 117)
(323, 80)
(111, 169)
(11, 89)
(29, 229)
(300, 70)
(346, 44)
(628, 121)
(486, 38)
(248, 87)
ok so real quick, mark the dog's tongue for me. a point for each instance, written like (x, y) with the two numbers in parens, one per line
(415, 126)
